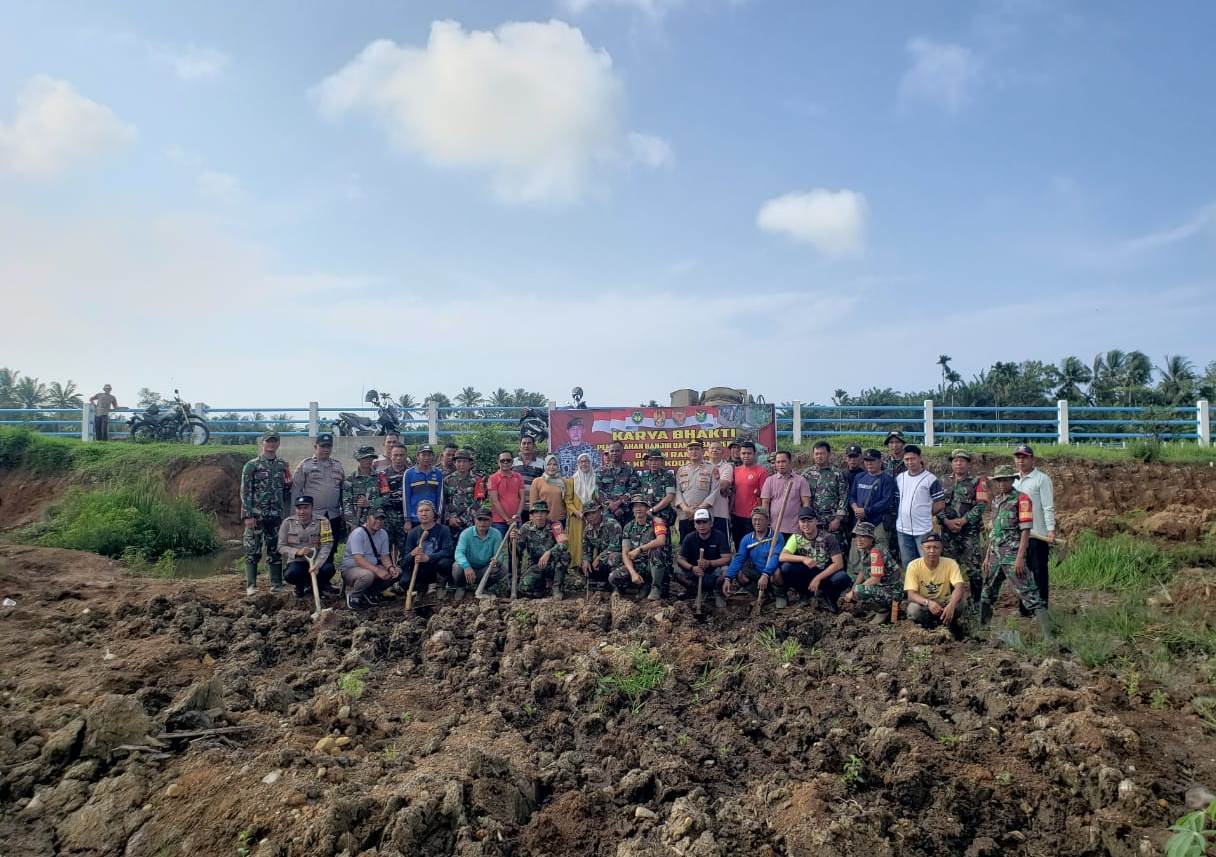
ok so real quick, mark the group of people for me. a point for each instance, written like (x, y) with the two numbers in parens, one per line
(880, 532)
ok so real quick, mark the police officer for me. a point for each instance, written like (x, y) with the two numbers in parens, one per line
(265, 492)
(321, 478)
(299, 536)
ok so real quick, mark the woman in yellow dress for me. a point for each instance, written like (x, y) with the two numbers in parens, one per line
(580, 491)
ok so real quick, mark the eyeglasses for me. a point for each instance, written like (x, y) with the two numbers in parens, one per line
(504, 461)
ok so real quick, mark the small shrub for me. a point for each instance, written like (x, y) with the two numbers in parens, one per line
(486, 443)
(645, 673)
(1159, 701)
(351, 684)
(1193, 833)
(853, 771)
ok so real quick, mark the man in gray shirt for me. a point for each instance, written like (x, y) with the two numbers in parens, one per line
(102, 403)
(1036, 485)
(367, 567)
(321, 477)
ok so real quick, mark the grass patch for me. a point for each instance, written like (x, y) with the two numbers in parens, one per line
(645, 673)
(351, 684)
(127, 520)
(1121, 563)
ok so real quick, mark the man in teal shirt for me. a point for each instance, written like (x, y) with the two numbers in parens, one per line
(475, 554)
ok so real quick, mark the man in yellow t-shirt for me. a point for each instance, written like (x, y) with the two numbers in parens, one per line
(935, 587)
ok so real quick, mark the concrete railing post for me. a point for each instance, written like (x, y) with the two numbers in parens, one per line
(1203, 417)
(1062, 422)
(797, 423)
(929, 422)
(86, 422)
(314, 419)
(432, 421)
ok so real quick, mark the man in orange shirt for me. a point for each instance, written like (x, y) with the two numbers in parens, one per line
(749, 481)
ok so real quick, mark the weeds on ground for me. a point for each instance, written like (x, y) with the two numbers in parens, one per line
(165, 567)
(522, 617)
(707, 679)
(645, 673)
(351, 684)
(1193, 833)
(1205, 707)
(243, 840)
(853, 773)
(46, 455)
(1121, 562)
(1004, 778)
(1159, 701)
(784, 650)
(529, 709)
(1129, 677)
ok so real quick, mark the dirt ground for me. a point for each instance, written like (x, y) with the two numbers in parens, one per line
(484, 729)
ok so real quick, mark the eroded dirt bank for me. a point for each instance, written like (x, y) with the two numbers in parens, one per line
(484, 730)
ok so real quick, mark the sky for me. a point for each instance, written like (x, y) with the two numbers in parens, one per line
(272, 203)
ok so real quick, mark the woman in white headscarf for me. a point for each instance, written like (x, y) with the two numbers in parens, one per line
(582, 491)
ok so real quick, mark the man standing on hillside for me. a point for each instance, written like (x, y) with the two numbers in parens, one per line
(1036, 485)
(617, 482)
(361, 490)
(962, 521)
(102, 403)
(852, 469)
(784, 486)
(265, 493)
(919, 497)
(422, 482)
(392, 498)
(749, 482)
(321, 478)
(894, 462)
(829, 489)
(872, 498)
(1008, 544)
(694, 485)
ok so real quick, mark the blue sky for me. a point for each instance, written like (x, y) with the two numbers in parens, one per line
(276, 202)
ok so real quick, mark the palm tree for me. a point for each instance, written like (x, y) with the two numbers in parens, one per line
(500, 398)
(1137, 375)
(439, 399)
(29, 393)
(8, 381)
(408, 405)
(1178, 379)
(943, 361)
(1072, 373)
(469, 398)
(64, 396)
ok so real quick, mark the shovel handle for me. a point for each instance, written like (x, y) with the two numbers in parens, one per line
(409, 593)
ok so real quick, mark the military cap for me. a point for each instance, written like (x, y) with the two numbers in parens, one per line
(930, 537)
(426, 447)
(365, 452)
(960, 453)
(702, 515)
(304, 500)
(638, 500)
(1023, 449)
(654, 453)
(694, 442)
(864, 528)
(593, 506)
(539, 506)
(894, 434)
(270, 434)
(760, 510)
(1004, 471)
(325, 439)
(577, 421)
(463, 454)
(734, 444)
(806, 513)
(482, 512)
(852, 450)
(872, 455)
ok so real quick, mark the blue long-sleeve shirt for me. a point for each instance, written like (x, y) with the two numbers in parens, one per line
(876, 495)
(417, 486)
(472, 551)
(757, 550)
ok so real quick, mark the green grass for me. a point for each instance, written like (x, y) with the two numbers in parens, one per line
(1120, 562)
(351, 684)
(139, 518)
(645, 673)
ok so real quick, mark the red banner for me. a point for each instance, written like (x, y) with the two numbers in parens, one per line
(592, 430)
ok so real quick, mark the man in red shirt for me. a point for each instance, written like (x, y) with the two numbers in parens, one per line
(749, 480)
(506, 487)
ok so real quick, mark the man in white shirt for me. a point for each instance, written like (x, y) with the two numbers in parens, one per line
(919, 496)
(1036, 485)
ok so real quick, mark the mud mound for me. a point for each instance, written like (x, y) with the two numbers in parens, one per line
(24, 497)
(213, 485)
(144, 717)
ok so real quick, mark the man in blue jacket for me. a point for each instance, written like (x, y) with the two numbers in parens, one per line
(873, 497)
(423, 481)
(428, 544)
(755, 560)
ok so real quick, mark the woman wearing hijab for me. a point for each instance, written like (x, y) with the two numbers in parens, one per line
(581, 492)
(551, 488)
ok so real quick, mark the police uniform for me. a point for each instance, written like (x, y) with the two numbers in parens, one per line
(321, 479)
(316, 535)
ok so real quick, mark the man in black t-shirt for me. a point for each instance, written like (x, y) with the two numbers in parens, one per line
(704, 552)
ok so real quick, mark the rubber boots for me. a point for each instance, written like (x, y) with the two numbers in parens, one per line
(1044, 622)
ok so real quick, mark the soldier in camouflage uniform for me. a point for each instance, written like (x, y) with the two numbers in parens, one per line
(810, 562)
(544, 556)
(878, 577)
(601, 546)
(265, 493)
(461, 492)
(616, 483)
(829, 489)
(893, 463)
(657, 486)
(962, 520)
(1008, 538)
(392, 494)
(361, 490)
(645, 553)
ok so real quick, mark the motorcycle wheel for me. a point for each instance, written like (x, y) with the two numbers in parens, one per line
(142, 432)
(194, 432)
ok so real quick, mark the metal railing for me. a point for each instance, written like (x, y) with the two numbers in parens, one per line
(929, 423)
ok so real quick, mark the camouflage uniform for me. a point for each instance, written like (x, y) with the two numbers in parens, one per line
(894, 466)
(876, 560)
(391, 500)
(654, 487)
(602, 548)
(356, 486)
(460, 499)
(966, 498)
(614, 482)
(265, 493)
(829, 493)
(1011, 514)
(652, 565)
(820, 549)
(533, 542)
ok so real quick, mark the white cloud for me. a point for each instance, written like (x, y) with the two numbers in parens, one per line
(650, 8)
(832, 221)
(191, 62)
(56, 128)
(1201, 222)
(650, 151)
(532, 104)
(942, 74)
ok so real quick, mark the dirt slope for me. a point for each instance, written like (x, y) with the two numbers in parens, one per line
(483, 730)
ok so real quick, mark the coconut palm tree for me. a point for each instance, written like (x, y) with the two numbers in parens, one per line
(469, 398)
(408, 405)
(8, 381)
(1178, 377)
(1072, 373)
(500, 398)
(440, 399)
(30, 393)
(64, 396)
(943, 361)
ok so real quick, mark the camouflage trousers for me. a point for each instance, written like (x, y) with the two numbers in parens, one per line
(605, 565)
(876, 596)
(533, 580)
(653, 566)
(965, 549)
(394, 525)
(265, 533)
(1024, 586)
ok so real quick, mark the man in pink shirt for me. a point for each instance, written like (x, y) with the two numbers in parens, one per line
(774, 491)
(749, 481)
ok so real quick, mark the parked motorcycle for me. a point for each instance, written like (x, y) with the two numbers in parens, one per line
(176, 422)
(387, 420)
(535, 424)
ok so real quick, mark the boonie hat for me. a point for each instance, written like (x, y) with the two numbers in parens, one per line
(960, 453)
(638, 500)
(539, 506)
(701, 515)
(364, 452)
(655, 453)
(463, 455)
(1004, 471)
(864, 528)
(270, 434)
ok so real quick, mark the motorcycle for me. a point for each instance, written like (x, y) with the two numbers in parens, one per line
(178, 422)
(387, 420)
(535, 424)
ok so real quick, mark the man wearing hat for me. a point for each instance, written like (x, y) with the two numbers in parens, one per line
(367, 564)
(361, 490)
(755, 560)
(812, 563)
(829, 489)
(1036, 485)
(872, 498)
(658, 487)
(544, 555)
(568, 452)
(1008, 541)
(321, 478)
(962, 521)
(644, 552)
(429, 544)
(935, 588)
(878, 578)
(695, 484)
(265, 493)
(423, 481)
(894, 462)
(703, 554)
(299, 536)
(102, 403)
(476, 553)
(601, 545)
(463, 494)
